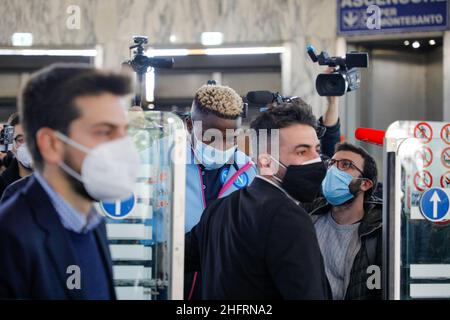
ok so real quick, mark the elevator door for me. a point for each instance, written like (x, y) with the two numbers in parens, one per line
(401, 84)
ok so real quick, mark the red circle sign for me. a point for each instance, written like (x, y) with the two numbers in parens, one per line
(426, 155)
(445, 133)
(423, 131)
(445, 157)
(423, 180)
(445, 180)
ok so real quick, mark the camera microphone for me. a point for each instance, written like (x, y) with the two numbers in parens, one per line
(261, 97)
(312, 53)
(161, 63)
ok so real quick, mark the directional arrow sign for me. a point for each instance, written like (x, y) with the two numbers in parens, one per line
(350, 18)
(435, 200)
(119, 209)
(434, 204)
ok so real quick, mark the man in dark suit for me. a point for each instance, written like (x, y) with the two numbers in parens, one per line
(53, 243)
(259, 243)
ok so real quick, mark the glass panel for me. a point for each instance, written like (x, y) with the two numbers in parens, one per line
(139, 229)
(424, 164)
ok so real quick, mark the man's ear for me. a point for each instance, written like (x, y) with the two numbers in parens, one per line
(265, 165)
(366, 185)
(50, 147)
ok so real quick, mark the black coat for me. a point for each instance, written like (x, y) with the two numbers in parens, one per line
(9, 176)
(256, 244)
(35, 249)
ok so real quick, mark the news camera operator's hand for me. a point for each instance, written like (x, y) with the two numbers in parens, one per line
(331, 116)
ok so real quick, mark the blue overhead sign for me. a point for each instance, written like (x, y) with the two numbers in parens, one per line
(386, 16)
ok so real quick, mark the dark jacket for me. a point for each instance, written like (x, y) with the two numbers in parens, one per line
(370, 248)
(10, 175)
(35, 249)
(13, 188)
(256, 244)
(331, 137)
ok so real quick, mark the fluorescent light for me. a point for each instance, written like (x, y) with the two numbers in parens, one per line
(212, 38)
(214, 51)
(406, 43)
(150, 85)
(432, 42)
(22, 39)
(416, 45)
(51, 52)
(167, 52)
(239, 51)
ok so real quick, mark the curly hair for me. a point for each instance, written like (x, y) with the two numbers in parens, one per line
(219, 100)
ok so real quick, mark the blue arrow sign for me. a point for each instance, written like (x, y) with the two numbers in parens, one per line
(434, 204)
(119, 209)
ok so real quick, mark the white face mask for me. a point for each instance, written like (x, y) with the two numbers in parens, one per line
(210, 157)
(109, 170)
(24, 157)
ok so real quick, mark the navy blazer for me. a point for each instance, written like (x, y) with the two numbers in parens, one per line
(35, 249)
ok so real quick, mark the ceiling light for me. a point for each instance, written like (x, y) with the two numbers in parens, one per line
(49, 52)
(22, 39)
(212, 38)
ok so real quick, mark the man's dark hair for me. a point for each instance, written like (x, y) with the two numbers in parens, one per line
(14, 119)
(370, 170)
(284, 115)
(279, 116)
(47, 99)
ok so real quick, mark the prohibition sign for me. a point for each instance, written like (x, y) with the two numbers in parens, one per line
(423, 180)
(445, 133)
(426, 155)
(445, 180)
(445, 157)
(423, 131)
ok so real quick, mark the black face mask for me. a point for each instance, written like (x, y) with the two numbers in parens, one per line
(303, 182)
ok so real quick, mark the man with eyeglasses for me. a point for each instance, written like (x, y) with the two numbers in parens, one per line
(348, 221)
(21, 163)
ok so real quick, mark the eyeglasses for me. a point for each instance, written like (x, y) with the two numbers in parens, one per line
(343, 165)
(19, 139)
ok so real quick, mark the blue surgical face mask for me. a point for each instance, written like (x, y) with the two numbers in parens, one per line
(210, 157)
(336, 186)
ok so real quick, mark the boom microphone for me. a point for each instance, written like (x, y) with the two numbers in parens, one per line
(369, 135)
(261, 97)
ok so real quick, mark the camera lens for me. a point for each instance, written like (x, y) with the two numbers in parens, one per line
(331, 84)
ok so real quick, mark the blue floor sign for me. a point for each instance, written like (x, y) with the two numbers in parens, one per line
(119, 209)
(434, 204)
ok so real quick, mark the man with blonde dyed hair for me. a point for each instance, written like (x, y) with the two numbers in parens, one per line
(215, 165)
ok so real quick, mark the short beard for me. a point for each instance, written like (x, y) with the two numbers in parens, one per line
(354, 188)
(75, 184)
